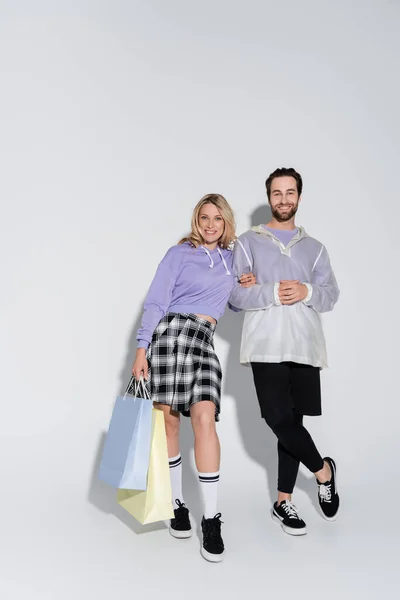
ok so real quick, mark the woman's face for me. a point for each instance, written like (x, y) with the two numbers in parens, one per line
(211, 224)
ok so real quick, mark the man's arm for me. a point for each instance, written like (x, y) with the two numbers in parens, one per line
(257, 297)
(323, 291)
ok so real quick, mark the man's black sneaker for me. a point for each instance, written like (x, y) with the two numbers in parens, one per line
(213, 546)
(180, 525)
(288, 518)
(328, 496)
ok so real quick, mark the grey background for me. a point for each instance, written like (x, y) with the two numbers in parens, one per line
(115, 118)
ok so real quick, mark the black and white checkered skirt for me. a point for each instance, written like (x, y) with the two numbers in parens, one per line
(183, 366)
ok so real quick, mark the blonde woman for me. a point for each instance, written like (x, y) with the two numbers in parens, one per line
(176, 354)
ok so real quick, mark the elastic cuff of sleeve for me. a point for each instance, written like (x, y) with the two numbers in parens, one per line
(143, 344)
(276, 294)
(310, 292)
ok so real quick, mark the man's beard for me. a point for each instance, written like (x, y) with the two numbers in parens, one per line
(283, 217)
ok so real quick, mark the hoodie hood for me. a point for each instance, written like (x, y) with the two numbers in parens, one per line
(301, 233)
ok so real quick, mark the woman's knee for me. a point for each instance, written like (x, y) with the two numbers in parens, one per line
(203, 418)
(171, 420)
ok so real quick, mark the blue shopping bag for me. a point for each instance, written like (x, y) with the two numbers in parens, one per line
(126, 454)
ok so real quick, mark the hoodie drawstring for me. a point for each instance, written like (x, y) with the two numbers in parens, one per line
(211, 265)
(224, 261)
(245, 253)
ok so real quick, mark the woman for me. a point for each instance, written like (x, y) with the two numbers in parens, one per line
(176, 354)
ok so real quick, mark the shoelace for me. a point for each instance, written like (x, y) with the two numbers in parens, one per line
(325, 492)
(212, 528)
(290, 509)
(181, 513)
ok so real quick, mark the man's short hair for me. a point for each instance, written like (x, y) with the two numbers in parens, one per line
(284, 172)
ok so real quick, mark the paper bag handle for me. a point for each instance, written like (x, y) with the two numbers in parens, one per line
(137, 385)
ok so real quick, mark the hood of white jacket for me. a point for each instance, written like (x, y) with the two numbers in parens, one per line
(301, 233)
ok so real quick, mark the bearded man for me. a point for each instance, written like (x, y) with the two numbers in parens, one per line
(283, 340)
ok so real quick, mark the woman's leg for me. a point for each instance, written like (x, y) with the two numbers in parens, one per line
(172, 428)
(206, 443)
(207, 454)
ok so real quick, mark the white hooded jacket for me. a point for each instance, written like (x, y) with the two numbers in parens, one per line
(273, 332)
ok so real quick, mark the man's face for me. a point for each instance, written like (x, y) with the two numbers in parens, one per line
(284, 198)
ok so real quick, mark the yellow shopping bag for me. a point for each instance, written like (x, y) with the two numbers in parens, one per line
(155, 503)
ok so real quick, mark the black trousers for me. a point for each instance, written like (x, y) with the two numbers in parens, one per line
(286, 391)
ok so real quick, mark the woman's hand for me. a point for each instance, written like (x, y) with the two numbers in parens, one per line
(140, 367)
(247, 280)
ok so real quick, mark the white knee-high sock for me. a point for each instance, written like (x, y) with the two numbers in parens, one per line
(175, 469)
(209, 483)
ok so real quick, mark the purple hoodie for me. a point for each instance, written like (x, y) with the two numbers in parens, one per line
(188, 280)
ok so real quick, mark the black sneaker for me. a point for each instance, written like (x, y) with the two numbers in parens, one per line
(180, 526)
(327, 494)
(213, 546)
(288, 518)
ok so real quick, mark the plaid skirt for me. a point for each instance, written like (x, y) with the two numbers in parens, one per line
(183, 366)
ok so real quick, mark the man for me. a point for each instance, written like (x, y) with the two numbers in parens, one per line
(283, 341)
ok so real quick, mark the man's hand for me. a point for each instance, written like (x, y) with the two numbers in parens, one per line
(247, 280)
(292, 291)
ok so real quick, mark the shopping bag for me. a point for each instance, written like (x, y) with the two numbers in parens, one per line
(155, 504)
(126, 454)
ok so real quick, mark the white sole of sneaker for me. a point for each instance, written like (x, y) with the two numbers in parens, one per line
(289, 530)
(211, 557)
(180, 535)
(328, 518)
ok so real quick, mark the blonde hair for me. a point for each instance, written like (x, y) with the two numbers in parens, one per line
(228, 236)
